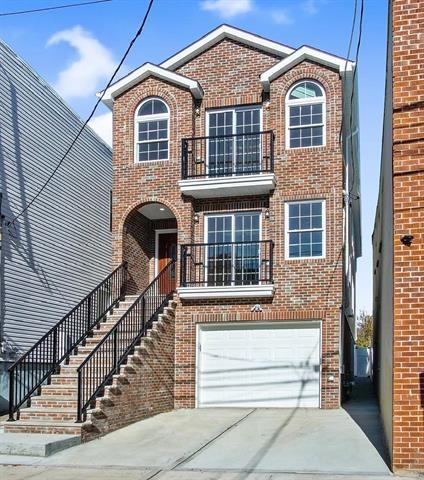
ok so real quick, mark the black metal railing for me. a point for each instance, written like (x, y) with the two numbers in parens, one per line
(112, 351)
(226, 264)
(30, 371)
(227, 155)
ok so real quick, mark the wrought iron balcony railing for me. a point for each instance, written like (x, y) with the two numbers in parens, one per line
(226, 264)
(227, 155)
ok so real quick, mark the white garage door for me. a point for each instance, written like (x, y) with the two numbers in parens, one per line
(259, 365)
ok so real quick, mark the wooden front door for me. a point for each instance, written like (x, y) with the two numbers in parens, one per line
(167, 251)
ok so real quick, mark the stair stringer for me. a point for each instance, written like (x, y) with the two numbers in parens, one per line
(145, 384)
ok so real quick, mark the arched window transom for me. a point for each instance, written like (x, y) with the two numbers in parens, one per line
(152, 130)
(305, 107)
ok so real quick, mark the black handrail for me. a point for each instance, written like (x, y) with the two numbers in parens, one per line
(109, 354)
(226, 264)
(33, 368)
(227, 155)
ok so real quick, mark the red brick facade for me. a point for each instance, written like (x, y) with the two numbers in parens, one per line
(228, 73)
(408, 218)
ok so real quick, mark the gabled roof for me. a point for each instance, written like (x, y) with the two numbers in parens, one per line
(290, 58)
(147, 70)
(304, 53)
(215, 36)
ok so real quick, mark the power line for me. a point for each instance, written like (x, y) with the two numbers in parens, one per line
(22, 12)
(74, 141)
(352, 32)
(358, 47)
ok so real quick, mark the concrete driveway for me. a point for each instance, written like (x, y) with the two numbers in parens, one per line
(233, 441)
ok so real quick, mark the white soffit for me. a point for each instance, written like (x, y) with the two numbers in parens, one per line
(147, 70)
(225, 31)
(304, 53)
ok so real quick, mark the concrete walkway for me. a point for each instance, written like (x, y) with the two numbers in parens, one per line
(224, 444)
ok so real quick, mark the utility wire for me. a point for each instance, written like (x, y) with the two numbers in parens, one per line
(358, 48)
(352, 33)
(22, 12)
(74, 141)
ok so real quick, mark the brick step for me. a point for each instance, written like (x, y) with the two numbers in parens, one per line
(46, 427)
(59, 391)
(50, 401)
(49, 414)
(69, 379)
(74, 361)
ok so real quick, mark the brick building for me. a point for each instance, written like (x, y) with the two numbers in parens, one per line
(398, 243)
(238, 156)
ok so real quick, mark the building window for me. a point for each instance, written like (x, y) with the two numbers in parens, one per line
(234, 145)
(305, 115)
(233, 249)
(152, 130)
(305, 229)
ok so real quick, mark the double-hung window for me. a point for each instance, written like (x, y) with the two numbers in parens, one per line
(234, 144)
(232, 249)
(305, 117)
(305, 229)
(151, 130)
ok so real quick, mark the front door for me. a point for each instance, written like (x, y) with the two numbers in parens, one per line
(167, 251)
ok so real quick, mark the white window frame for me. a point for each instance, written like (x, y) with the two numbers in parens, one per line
(287, 231)
(234, 126)
(148, 118)
(306, 101)
(229, 214)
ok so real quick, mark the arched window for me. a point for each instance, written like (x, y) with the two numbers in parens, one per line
(305, 115)
(152, 130)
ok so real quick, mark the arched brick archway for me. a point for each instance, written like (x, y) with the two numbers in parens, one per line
(143, 230)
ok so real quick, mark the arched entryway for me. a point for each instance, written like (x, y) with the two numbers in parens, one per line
(149, 243)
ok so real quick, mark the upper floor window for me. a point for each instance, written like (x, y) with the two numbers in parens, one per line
(234, 145)
(152, 130)
(305, 229)
(305, 117)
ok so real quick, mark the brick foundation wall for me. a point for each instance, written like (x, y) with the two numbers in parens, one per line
(304, 289)
(144, 387)
(408, 206)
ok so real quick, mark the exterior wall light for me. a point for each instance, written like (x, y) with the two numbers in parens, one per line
(196, 218)
(267, 214)
(407, 240)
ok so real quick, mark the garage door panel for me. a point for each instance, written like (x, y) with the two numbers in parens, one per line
(263, 366)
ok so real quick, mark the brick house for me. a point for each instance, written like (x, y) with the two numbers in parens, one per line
(238, 155)
(398, 243)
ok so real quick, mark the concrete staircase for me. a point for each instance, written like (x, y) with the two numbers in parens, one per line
(54, 410)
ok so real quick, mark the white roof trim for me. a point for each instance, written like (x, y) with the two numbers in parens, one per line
(145, 71)
(225, 31)
(298, 56)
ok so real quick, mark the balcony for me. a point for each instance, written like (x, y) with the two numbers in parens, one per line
(226, 270)
(228, 165)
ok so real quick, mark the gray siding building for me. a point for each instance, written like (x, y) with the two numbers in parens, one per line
(55, 252)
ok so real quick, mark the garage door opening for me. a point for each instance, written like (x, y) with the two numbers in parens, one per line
(259, 365)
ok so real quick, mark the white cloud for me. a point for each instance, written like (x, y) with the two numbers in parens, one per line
(310, 7)
(228, 8)
(282, 16)
(102, 125)
(85, 75)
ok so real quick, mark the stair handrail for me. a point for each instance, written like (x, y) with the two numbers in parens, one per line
(112, 351)
(35, 366)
